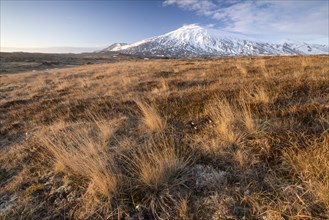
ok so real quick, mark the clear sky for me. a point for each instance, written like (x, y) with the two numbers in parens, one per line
(73, 26)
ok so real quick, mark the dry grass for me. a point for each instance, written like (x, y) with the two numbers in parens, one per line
(247, 118)
(225, 119)
(232, 121)
(81, 149)
(259, 95)
(151, 119)
(158, 171)
(224, 138)
(311, 167)
(241, 67)
(267, 73)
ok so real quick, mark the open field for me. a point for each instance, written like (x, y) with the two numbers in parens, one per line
(224, 138)
(22, 62)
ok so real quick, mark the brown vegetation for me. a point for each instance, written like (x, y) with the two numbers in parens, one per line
(224, 138)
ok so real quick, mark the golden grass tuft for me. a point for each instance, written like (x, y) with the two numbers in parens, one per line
(233, 121)
(82, 149)
(151, 119)
(247, 116)
(259, 94)
(159, 171)
(311, 166)
(224, 118)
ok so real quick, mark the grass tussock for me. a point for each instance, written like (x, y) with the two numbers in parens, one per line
(151, 119)
(310, 166)
(82, 149)
(232, 121)
(224, 117)
(158, 167)
(259, 94)
(224, 138)
(159, 170)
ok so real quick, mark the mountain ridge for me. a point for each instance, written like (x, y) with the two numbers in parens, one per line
(196, 41)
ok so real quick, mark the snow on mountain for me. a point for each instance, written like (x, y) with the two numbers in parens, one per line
(113, 47)
(194, 41)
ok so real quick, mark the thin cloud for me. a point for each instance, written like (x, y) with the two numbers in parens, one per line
(262, 17)
(203, 7)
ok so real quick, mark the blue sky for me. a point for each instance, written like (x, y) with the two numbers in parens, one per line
(86, 25)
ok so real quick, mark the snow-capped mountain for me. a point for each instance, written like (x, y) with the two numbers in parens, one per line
(114, 47)
(194, 41)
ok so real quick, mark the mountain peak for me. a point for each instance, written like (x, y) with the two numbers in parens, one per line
(191, 26)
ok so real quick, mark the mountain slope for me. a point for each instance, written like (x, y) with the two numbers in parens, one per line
(113, 47)
(193, 41)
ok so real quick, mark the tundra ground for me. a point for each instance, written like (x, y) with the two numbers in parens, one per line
(224, 138)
